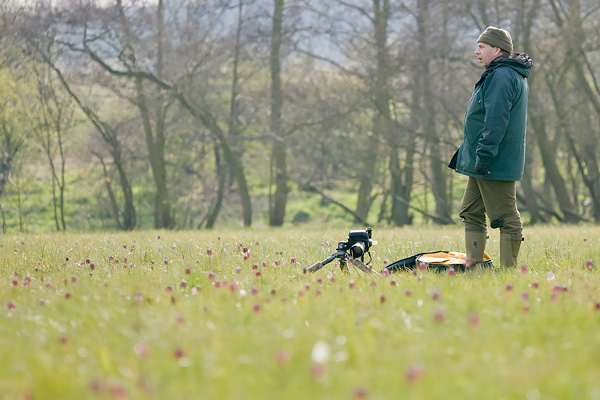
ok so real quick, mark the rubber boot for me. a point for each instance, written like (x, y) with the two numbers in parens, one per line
(475, 245)
(509, 249)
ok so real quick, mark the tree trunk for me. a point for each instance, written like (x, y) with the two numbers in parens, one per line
(222, 174)
(232, 132)
(111, 195)
(19, 204)
(58, 182)
(436, 166)
(163, 204)
(61, 186)
(367, 174)
(538, 124)
(381, 96)
(402, 182)
(278, 204)
(54, 199)
(155, 135)
(5, 166)
(524, 21)
(399, 212)
(129, 215)
(10, 144)
(278, 201)
(530, 198)
(232, 129)
(3, 223)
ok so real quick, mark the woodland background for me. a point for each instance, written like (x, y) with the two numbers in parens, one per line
(201, 114)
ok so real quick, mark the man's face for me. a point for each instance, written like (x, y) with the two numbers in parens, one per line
(486, 54)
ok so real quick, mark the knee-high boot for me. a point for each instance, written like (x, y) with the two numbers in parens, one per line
(509, 249)
(475, 245)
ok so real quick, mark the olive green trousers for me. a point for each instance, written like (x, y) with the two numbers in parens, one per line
(498, 201)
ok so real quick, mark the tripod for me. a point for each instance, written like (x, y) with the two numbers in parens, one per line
(344, 257)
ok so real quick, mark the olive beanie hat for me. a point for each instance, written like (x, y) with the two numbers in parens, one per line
(496, 37)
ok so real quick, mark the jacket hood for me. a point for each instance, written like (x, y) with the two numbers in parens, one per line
(520, 62)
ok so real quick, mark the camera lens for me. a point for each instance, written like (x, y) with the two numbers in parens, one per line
(358, 249)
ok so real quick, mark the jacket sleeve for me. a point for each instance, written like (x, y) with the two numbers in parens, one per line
(498, 92)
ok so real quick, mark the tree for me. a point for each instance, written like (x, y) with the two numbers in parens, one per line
(12, 135)
(232, 126)
(16, 91)
(571, 22)
(53, 117)
(433, 144)
(113, 141)
(12, 108)
(153, 107)
(277, 202)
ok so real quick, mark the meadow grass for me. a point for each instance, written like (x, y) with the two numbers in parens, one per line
(231, 315)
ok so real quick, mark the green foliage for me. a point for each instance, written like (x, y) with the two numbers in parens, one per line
(184, 315)
(87, 206)
(15, 110)
(14, 90)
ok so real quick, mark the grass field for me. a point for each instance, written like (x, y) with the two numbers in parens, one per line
(231, 315)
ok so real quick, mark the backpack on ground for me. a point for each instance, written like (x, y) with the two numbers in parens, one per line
(436, 260)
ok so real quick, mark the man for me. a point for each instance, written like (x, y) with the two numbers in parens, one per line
(492, 153)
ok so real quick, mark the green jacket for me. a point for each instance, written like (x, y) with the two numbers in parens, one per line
(495, 121)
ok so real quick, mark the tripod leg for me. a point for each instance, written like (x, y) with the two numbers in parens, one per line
(321, 264)
(343, 265)
(315, 267)
(363, 267)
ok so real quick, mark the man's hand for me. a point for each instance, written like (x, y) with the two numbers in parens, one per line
(482, 169)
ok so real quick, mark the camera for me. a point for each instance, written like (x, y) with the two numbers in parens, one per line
(359, 242)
